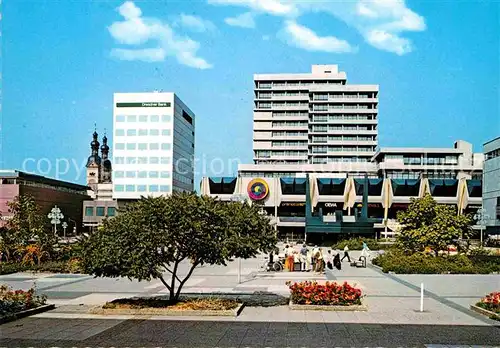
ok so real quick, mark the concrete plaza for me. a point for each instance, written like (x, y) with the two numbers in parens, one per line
(392, 317)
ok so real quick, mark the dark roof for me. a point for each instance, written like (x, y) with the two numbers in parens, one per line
(41, 179)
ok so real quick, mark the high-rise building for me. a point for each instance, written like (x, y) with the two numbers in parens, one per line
(491, 186)
(313, 118)
(153, 144)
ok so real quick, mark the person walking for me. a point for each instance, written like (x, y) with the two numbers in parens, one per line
(329, 260)
(315, 252)
(303, 258)
(346, 254)
(320, 266)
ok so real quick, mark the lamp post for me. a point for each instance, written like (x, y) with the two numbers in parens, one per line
(481, 217)
(55, 217)
(64, 226)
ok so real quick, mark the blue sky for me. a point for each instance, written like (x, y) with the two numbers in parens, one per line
(437, 64)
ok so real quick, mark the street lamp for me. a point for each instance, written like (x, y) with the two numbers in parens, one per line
(64, 226)
(481, 217)
(55, 217)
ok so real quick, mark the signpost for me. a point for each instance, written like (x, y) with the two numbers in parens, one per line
(55, 217)
(64, 226)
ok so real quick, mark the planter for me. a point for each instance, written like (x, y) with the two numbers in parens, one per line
(167, 312)
(486, 312)
(26, 313)
(351, 308)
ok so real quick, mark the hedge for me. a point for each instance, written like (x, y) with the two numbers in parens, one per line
(71, 266)
(420, 263)
(357, 244)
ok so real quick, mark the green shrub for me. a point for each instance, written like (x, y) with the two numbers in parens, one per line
(420, 263)
(71, 266)
(11, 267)
(357, 244)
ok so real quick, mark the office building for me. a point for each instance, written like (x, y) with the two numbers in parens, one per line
(153, 145)
(491, 186)
(47, 193)
(314, 118)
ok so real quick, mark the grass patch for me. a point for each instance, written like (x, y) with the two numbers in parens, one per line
(214, 304)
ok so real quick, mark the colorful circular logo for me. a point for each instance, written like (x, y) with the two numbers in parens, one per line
(257, 189)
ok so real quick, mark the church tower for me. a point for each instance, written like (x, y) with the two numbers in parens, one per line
(106, 169)
(94, 163)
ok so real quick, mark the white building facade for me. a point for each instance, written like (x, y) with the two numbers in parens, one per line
(314, 118)
(153, 144)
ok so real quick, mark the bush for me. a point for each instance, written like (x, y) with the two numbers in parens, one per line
(13, 301)
(357, 244)
(490, 302)
(12, 267)
(71, 266)
(333, 294)
(420, 263)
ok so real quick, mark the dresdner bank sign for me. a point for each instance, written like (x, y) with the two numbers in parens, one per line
(144, 105)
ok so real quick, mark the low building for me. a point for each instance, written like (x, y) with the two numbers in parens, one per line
(491, 186)
(47, 192)
(395, 175)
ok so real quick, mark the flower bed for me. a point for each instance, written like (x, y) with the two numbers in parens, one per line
(329, 294)
(17, 301)
(491, 305)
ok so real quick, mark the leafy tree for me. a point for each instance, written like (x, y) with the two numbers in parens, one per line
(25, 225)
(428, 224)
(155, 237)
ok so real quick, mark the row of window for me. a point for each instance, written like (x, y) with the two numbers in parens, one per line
(142, 132)
(289, 143)
(327, 107)
(324, 128)
(324, 139)
(270, 84)
(324, 160)
(289, 124)
(143, 118)
(141, 174)
(353, 95)
(337, 117)
(288, 133)
(294, 162)
(492, 154)
(142, 188)
(142, 160)
(427, 160)
(143, 146)
(100, 211)
(269, 95)
(325, 149)
(269, 154)
(183, 179)
(281, 104)
(290, 113)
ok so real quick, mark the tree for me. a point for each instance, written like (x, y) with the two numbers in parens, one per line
(26, 224)
(154, 237)
(428, 224)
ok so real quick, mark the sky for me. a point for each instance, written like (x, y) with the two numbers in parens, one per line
(437, 64)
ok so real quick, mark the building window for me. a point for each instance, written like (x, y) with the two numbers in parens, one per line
(131, 118)
(120, 132)
(153, 175)
(142, 132)
(131, 132)
(165, 146)
(164, 160)
(131, 146)
(89, 211)
(120, 118)
(119, 188)
(119, 160)
(119, 174)
(154, 160)
(131, 160)
(141, 188)
(142, 146)
(142, 160)
(165, 132)
(111, 211)
(154, 132)
(143, 118)
(164, 188)
(130, 174)
(99, 211)
(153, 188)
(166, 118)
(165, 175)
(130, 188)
(142, 174)
(154, 146)
(120, 146)
(155, 118)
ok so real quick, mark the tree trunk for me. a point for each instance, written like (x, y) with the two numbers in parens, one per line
(173, 296)
(181, 284)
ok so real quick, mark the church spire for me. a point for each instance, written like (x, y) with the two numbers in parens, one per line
(94, 146)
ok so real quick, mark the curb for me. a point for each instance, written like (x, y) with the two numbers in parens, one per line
(486, 312)
(352, 308)
(27, 313)
(167, 312)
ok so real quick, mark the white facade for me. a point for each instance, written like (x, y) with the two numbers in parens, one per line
(314, 118)
(153, 145)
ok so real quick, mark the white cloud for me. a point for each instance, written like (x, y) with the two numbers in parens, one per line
(274, 7)
(137, 30)
(244, 20)
(196, 23)
(382, 23)
(303, 37)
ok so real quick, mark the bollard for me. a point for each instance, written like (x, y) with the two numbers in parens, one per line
(421, 297)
